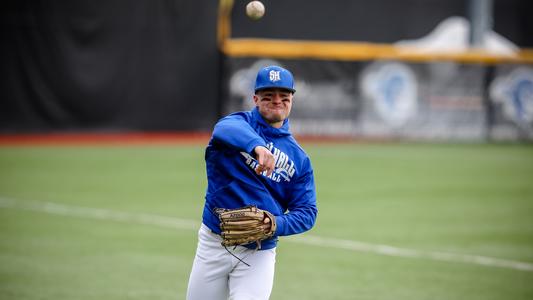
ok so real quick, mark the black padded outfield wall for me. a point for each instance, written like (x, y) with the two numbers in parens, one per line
(153, 65)
(77, 65)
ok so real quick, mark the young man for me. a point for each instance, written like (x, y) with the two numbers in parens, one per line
(252, 159)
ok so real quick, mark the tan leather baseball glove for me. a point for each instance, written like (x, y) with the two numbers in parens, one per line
(245, 225)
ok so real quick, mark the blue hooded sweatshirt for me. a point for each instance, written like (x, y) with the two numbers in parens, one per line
(288, 193)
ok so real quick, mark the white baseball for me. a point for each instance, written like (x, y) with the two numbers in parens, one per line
(255, 10)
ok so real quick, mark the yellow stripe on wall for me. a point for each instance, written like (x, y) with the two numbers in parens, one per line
(357, 51)
(223, 22)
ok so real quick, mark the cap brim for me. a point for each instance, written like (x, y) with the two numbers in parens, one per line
(275, 87)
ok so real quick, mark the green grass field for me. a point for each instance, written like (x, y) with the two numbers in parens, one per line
(474, 200)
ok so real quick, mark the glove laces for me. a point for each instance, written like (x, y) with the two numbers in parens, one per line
(238, 258)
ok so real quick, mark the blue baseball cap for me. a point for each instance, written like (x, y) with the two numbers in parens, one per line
(274, 77)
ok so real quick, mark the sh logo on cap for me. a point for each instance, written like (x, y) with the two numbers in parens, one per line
(274, 76)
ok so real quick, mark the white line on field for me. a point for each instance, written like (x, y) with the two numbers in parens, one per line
(312, 240)
(99, 213)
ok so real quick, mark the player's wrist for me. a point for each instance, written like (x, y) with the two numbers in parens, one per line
(259, 148)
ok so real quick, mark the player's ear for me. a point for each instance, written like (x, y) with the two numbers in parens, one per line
(256, 99)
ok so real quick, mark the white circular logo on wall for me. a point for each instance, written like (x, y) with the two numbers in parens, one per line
(392, 88)
(515, 93)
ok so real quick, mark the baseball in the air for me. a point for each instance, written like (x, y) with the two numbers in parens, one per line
(255, 10)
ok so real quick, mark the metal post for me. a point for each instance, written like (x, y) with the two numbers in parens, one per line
(480, 12)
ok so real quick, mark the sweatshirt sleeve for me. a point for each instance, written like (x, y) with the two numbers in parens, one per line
(235, 131)
(302, 209)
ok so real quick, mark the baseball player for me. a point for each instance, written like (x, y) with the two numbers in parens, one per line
(252, 161)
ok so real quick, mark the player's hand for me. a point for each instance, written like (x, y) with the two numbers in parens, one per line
(265, 159)
(267, 224)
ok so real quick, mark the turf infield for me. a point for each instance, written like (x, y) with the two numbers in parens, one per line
(464, 199)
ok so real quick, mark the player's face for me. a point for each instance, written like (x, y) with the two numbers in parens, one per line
(274, 105)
